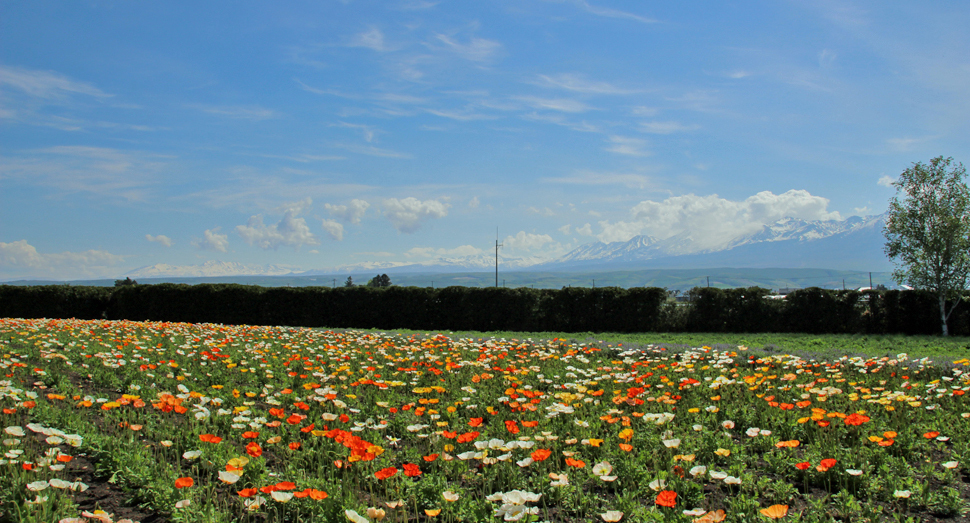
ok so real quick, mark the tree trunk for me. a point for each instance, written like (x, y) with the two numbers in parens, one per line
(946, 331)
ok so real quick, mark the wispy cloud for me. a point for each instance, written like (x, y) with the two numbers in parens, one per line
(612, 13)
(254, 113)
(666, 127)
(907, 144)
(409, 214)
(475, 49)
(628, 146)
(373, 151)
(565, 105)
(631, 180)
(579, 84)
(886, 181)
(46, 84)
(101, 171)
(371, 39)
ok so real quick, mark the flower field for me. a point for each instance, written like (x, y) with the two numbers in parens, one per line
(150, 422)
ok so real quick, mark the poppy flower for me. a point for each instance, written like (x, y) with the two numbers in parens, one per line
(666, 498)
(247, 492)
(826, 464)
(541, 454)
(475, 422)
(385, 473)
(432, 511)
(715, 516)
(803, 466)
(184, 482)
(431, 457)
(209, 438)
(250, 435)
(411, 470)
(575, 463)
(775, 511)
(253, 449)
(856, 419)
(285, 485)
(625, 447)
(931, 434)
(294, 445)
(318, 494)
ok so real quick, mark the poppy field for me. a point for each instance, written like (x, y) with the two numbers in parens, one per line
(150, 422)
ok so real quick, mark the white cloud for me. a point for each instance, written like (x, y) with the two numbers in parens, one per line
(212, 241)
(372, 39)
(711, 221)
(564, 229)
(253, 113)
(290, 230)
(907, 144)
(473, 203)
(886, 181)
(579, 84)
(526, 241)
(351, 213)
(627, 146)
(46, 84)
(104, 172)
(407, 215)
(613, 13)
(372, 151)
(631, 180)
(431, 252)
(585, 230)
(19, 259)
(564, 105)
(477, 49)
(334, 229)
(545, 211)
(667, 127)
(161, 238)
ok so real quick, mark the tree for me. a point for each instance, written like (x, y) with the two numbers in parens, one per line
(125, 282)
(381, 280)
(928, 231)
(349, 282)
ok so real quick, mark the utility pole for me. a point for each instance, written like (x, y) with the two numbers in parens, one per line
(870, 281)
(843, 283)
(497, 245)
(708, 281)
(594, 283)
(335, 283)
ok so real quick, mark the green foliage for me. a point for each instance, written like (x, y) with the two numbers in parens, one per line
(928, 231)
(380, 281)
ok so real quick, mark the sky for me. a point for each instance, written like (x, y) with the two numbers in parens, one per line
(321, 134)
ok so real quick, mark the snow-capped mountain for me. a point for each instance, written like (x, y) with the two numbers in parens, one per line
(855, 242)
(480, 262)
(208, 269)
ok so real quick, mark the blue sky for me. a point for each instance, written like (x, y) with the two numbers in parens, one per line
(321, 134)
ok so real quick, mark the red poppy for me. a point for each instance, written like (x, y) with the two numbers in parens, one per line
(209, 438)
(826, 464)
(295, 445)
(667, 498)
(184, 482)
(385, 473)
(449, 434)
(247, 492)
(285, 485)
(308, 429)
(512, 427)
(475, 422)
(626, 447)
(344, 418)
(575, 463)
(431, 457)
(856, 419)
(803, 466)
(411, 470)
(317, 494)
(931, 434)
(530, 424)
(253, 449)
(468, 436)
(250, 435)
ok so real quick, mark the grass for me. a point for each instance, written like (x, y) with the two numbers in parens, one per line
(158, 422)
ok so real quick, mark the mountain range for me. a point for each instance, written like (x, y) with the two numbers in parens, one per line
(855, 243)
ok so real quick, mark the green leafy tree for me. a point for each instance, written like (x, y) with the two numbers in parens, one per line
(381, 280)
(349, 282)
(928, 231)
(125, 282)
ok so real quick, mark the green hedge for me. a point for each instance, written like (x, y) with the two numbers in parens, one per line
(609, 309)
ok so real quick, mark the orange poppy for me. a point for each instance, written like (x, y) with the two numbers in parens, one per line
(431, 457)
(253, 449)
(317, 494)
(64, 458)
(931, 434)
(247, 492)
(886, 443)
(575, 463)
(209, 438)
(788, 444)
(475, 422)
(626, 447)
(250, 435)
(385, 473)
(530, 424)
(803, 466)
(826, 464)
(432, 511)
(775, 511)
(411, 470)
(856, 419)
(184, 482)
(294, 445)
(666, 498)
(285, 485)
(541, 454)
(715, 516)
